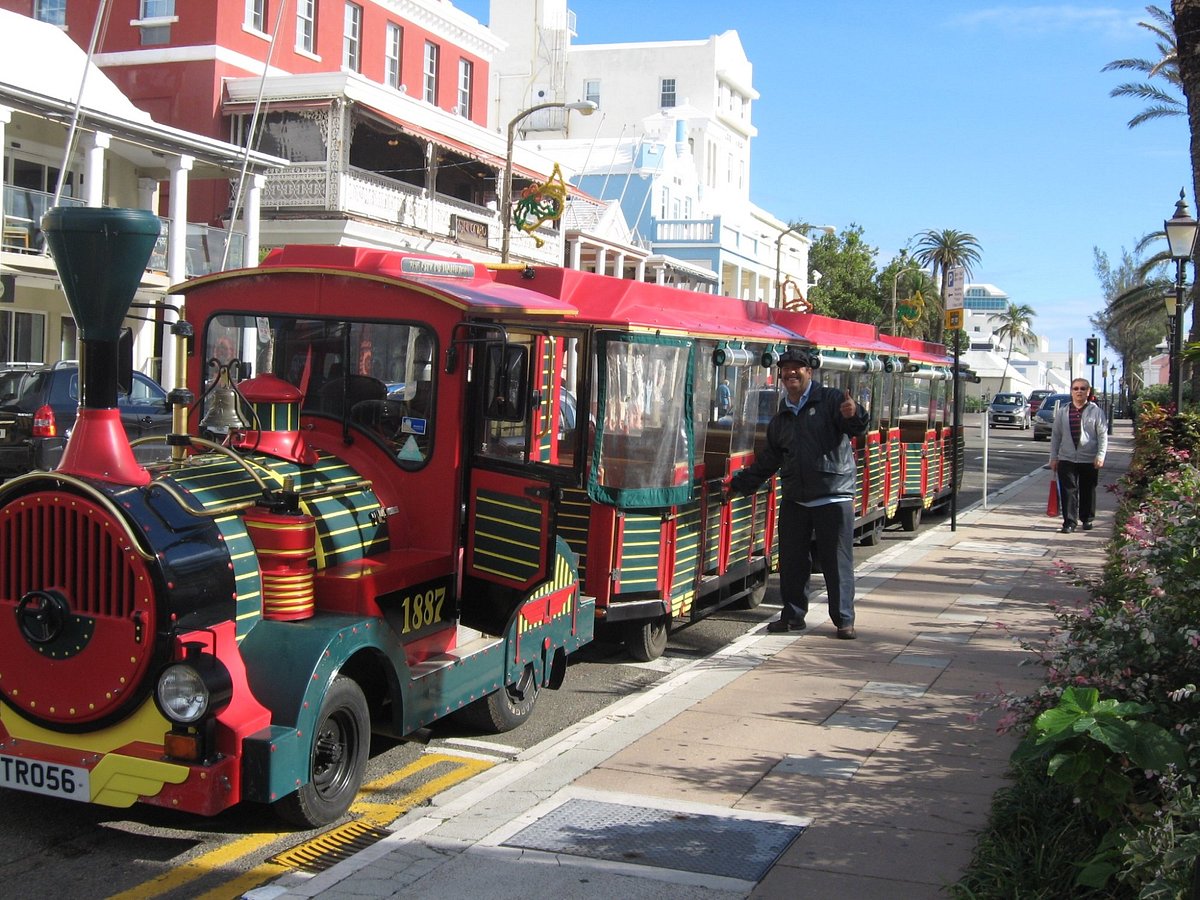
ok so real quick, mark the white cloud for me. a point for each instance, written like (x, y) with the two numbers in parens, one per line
(1047, 20)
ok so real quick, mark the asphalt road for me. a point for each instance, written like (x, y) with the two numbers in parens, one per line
(54, 847)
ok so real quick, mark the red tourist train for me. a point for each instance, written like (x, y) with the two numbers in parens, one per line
(399, 488)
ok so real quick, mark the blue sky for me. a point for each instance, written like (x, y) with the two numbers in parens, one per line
(992, 119)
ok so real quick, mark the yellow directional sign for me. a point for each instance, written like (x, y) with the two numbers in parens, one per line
(954, 319)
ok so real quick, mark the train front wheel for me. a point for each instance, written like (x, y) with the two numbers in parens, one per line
(647, 640)
(337, 758)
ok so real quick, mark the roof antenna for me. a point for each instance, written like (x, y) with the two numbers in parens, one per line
(98, 27)
(241, 185)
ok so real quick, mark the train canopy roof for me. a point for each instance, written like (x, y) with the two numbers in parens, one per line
(919, 351)
(836, 334)
(640, 306)
(468, 285)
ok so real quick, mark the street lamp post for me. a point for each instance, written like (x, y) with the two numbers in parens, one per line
(1104, 378)
(585, 107)
(1181, 236)
(1112, 403)
(799, 228)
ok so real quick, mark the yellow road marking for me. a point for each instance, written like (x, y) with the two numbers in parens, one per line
(366, 810)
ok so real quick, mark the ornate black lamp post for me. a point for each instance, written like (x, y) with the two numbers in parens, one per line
(1181, 236)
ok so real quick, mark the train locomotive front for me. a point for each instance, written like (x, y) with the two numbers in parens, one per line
(233, 624)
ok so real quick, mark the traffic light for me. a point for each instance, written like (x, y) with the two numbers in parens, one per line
(1093, 351)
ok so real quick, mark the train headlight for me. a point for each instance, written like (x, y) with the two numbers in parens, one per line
(182, 694)
(193, 689)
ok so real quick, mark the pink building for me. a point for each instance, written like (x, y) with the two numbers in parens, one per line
(382, 109)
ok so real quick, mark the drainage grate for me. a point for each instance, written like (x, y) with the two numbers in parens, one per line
(706, 844)
(328, 849)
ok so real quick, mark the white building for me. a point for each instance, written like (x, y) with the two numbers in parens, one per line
(670, 141)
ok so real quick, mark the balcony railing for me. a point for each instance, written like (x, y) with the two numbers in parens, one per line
(23, 211)
(396, 204)
(24, 208)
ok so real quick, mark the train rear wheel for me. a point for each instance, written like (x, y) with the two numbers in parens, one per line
(875, 535)
(910, 518)
(753, 599)
(337, 758)
(647, 640)
(505, 709)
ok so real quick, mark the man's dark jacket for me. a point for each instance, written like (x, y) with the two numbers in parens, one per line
(810, 450)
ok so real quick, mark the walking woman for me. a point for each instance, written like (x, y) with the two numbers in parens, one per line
(1078, 442)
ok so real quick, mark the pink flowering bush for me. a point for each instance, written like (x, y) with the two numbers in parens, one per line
(1134, 647)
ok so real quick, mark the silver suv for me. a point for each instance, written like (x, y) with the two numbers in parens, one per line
(1009, 409)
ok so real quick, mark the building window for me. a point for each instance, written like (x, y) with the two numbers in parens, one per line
(431, 72)
(52, 11)
(256, 15)
(22, 337)
(465, 74)
(666, 93)
(157, 9)
(591, 90)
(352, 38)
(306, 26)
(156, 35)
(393, 47)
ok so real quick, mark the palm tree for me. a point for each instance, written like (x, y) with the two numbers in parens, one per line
(1165, 102)
(1140, 302)
(1014, 325)
(942, 251)
(1185, 19)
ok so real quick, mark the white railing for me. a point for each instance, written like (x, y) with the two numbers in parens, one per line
(698, 231)
(359, 192)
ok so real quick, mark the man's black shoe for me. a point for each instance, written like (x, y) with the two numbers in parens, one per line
(1068, 529)
(1087, 526)
(848, 633)
(778, 627)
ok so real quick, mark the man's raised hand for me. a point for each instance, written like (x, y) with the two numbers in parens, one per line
(849, 407)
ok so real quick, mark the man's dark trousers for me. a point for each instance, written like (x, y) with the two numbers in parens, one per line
(826, 532)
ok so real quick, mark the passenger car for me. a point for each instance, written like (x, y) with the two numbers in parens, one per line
(38, 409)
(1036, 398)
(1008, 409)
(1044, 420)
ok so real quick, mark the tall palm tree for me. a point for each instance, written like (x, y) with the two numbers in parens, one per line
(1185, 20)
(942, 251)
(1014, 325)
(1140, 301)
(1167, 101)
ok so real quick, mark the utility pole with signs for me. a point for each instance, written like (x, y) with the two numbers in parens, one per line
(954, 291)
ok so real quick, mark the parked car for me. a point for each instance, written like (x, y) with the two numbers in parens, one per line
(1043, 421)
(1008, 409)
(38, 409)
(1036, 398)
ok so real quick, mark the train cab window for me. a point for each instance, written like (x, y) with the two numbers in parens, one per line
(376, 377)
(528, 406)
(644, 454)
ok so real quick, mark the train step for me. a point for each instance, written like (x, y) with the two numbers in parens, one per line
(471, 647)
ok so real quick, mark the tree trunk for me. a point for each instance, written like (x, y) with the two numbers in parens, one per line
(1186, 14)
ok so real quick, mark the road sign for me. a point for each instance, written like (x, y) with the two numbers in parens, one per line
(955, 287)
(954, 319)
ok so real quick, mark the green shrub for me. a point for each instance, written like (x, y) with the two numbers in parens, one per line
(1115, 724)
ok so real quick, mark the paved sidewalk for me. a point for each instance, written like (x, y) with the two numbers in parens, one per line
(789, 766)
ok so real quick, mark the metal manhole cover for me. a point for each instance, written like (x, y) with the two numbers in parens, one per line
(693, 842)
